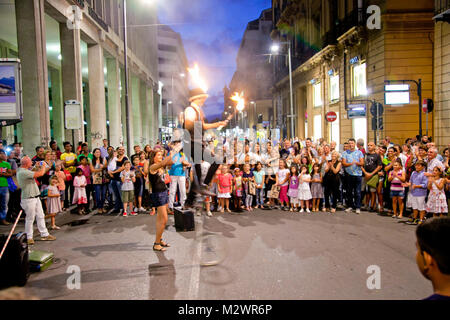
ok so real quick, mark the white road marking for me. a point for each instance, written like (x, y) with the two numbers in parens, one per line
(194, 284)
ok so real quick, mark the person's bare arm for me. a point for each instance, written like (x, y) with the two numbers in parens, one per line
(40, 173)
(6, 174)
(338, 168)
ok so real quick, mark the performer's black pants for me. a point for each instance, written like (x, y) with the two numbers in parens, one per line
(198, 176)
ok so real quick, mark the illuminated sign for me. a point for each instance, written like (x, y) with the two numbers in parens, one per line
(354, 60)
(11, 109)
(396, 94)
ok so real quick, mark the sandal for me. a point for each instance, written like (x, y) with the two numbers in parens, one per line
(158, 244)
(55, 228)
(163, 244)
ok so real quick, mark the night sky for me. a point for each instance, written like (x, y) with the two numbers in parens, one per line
(212, 31)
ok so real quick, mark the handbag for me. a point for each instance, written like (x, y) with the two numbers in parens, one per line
(252, 188)
(11, 185)
(68, 175)
(373, 181)
(275, 192)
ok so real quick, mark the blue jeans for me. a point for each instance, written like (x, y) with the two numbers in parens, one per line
(4, 198)
(259, 197)
(100, 194)
(354, 191)
(116, 187)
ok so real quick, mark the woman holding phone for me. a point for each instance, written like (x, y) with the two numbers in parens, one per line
(160, 195)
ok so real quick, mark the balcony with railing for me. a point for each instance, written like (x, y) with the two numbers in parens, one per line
(441, 6)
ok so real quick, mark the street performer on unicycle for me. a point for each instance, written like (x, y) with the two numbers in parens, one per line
(194, 123)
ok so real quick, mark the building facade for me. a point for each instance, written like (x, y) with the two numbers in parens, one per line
(74, 50)
(342, 61)
(254, 75)
(441, 61)
(173, 73)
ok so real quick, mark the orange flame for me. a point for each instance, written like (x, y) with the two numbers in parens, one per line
(239, 98)
(197, 78)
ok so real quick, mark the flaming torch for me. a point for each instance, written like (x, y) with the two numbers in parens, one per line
(239, 98)
(197, 78)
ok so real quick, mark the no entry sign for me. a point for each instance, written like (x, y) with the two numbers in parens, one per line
(331, 116)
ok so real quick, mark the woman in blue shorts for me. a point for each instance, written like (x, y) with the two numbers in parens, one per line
(159, 196)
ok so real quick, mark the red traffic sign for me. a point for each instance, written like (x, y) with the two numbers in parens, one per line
(427, 105)
(331, 116)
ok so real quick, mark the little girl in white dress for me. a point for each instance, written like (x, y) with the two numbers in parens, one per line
(304, 191)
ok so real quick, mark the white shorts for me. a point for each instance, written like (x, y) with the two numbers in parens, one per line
(417, 203)
(224, 196)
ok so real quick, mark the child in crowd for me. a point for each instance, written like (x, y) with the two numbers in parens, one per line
(271, 180)
(418, 186)
(397, 178)
(283, 177)
(293, 188)
(248, 178)
(84, 165)
(128, 178)
(61, 176)
(304, 192)
(237, 185)
(79, 195)
(437, 202)
(138, 184)
(225, 180)
(258, 173)
(54, 201)
(316, 187)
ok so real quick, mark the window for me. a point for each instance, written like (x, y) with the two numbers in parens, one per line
(334, 88)
(335, 134)
(306, 129)
(317, 94)
(360, 129)
(317, 127)
(359, 80)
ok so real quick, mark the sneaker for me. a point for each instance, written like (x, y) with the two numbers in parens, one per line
(142, 209)
(420, 222)
(301, 210)
(358, 211)
(349, 210)
(209, 214)
(133, 213)
(307, 210)
(30, 242)
(48, 238)
(125, 214)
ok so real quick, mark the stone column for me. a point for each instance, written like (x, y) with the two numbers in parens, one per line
(97, 101)
(30, 23)
(145, 111)
(58, 107)
(152, 115)
(114, 105)
(136, 111)
(72, 82)
(123, 106)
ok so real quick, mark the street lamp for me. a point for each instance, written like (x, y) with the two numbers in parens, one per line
(254, 109)
(181, 75)
(275, 49)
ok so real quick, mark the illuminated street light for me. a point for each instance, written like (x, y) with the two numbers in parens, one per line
(275, 48)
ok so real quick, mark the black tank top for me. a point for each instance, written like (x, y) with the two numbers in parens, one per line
(156, 183)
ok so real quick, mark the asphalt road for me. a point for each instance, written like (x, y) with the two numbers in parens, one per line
(257, 255)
